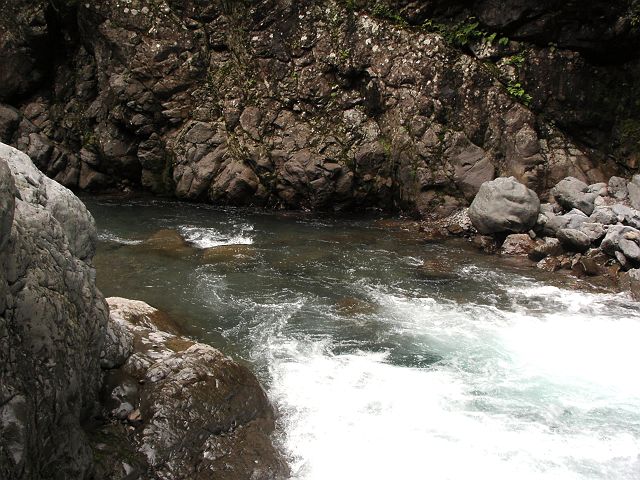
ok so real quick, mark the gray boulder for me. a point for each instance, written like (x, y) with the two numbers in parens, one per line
(595, 231)
(626, 215)
(52, 321)
(572, 193)
(603, 215)
(573, 219)
(622, 240)
(504, 205)
(574, 240)
(618, 188)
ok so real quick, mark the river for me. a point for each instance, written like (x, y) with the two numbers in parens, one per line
(387, 356)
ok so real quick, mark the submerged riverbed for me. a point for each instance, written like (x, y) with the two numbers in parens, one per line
(386, 356)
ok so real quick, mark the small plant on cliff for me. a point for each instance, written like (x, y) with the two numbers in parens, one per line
(383, 10)
(517, 91)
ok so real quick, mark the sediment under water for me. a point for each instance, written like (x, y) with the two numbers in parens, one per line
(388, 357)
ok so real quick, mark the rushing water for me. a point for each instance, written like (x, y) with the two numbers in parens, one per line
(388, 357)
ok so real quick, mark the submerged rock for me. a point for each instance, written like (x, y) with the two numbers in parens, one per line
(504, 205)
(167, 242)
(193, 413)
(351, 306)
(229, 254)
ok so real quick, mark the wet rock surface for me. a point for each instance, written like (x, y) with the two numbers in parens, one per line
(179, 409)
(320, 105)
(52, 323)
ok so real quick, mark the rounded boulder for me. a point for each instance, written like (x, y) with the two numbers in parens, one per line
(504, 205)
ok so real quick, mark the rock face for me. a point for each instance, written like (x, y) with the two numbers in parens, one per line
(193, 412)
(318, 104)
(504, 205)
(52, 321)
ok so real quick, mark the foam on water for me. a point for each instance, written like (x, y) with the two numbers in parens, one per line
(201, 237)
(545, 396)
(111, 237)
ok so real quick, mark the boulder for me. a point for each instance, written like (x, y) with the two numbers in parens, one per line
(574, 240)
(603, 215)
(572, 193)
(549, 246)
(573, 219)
(190, 411)
(52, 321)
(595, 231)
(634, 192)
(631, 281)
(626, 215)
(622, 240)
(518, 244)
(618, 188)
(504, 205)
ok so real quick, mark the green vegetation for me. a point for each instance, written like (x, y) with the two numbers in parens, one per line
(382, 10)
(463, 33)
(517, 60)
(634, 13)
(516, 90)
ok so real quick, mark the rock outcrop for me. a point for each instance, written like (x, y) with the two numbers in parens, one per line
(190, 411)
(52, 321)
(172, 408)
(321, 104)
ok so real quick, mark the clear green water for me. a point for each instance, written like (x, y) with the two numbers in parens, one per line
(389, 357)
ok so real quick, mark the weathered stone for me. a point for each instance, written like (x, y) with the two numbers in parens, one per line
(574, 240)
(631, 281)
(504, 205)
(634, 194)
(518, 244)
(573, 219)
(595, 231)
(572, 193)
(222, 109)
(598, 188)
(626, 215)
(622, 240)
(192, 412)
(618, 188)
(548, 247)
(52, 321)
(604, 215)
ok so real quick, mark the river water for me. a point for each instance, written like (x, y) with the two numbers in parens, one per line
(386, 356)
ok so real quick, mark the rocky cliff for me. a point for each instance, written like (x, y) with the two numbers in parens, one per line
(52, 321)
(322, 104)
